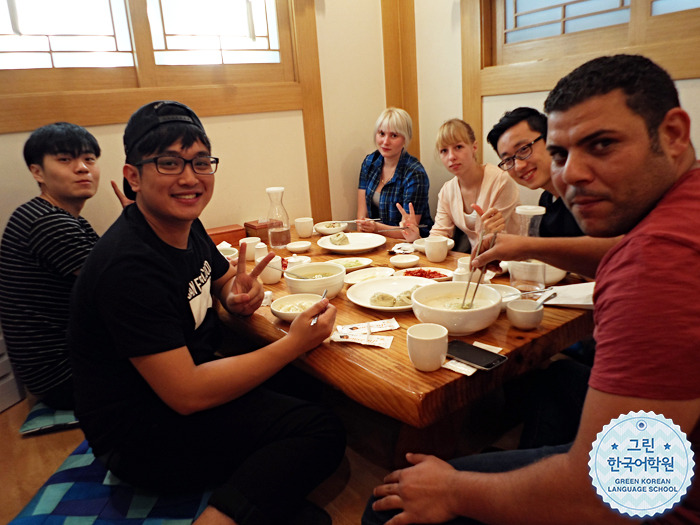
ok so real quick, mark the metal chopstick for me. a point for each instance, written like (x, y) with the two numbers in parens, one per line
(471, 273)
(481, 275)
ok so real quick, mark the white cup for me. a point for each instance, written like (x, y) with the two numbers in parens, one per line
(273, 271)
(250, 243)
(436, 248)
(427, 346)
(465, 262)
(524, 314)
(260, 250)
(304, 226)
(527, 275)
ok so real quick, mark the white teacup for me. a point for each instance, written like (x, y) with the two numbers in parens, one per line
(250, 243)
(273, 271)
(427, 346)
(524, 314)
(304, 226)
(436, 248)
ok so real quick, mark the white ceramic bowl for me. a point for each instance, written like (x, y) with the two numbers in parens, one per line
(278, 305)
(333, 282)
(299, 246)
(524, 314)
(504, 290)
(404, 261)
(327, 228)
(460, 321)
(229, 252)
(552, 274)
(419, 244)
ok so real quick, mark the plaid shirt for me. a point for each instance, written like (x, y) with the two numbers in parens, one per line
(409, 183)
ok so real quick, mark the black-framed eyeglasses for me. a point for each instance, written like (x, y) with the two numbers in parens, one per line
(522, 153)
(172, 165)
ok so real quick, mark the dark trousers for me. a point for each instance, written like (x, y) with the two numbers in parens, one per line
(261, 453)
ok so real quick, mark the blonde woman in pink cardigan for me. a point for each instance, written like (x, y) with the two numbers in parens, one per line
(475, 187)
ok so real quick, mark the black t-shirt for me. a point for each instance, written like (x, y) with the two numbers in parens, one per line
(137, 295)
(557, 220)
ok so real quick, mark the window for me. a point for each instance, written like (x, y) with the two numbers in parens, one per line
(36, 34)
(533, 19)
(545, 30)
(216, 32)
(93, 61)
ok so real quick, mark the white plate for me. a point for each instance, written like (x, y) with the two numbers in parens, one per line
(419, 244)
(323, 229)
(447, 273)
(367, 274)
(361, 293)
(349, 263)
(359, 242)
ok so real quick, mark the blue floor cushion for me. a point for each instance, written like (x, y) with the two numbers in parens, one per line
(83, 492)
(43, 418)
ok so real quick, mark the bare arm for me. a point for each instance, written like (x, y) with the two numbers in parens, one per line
(575, 254)
(188, 388)
(556, 490)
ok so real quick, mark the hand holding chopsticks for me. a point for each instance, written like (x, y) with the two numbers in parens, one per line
(482, 270)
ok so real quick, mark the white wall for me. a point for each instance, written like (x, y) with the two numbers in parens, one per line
(256, 151)
(351, 60)
(439, 65)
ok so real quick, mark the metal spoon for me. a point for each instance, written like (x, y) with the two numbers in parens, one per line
(315, 317)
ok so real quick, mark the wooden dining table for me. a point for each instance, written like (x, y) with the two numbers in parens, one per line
(384, 380)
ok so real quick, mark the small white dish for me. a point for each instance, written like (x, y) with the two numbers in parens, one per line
(299, 246)
(367, 274)
(353, 263)
(419, 244)
(404, 261)
(330, 227)
(303, 300)
(427, 273)
(296, 260)
(505, 290)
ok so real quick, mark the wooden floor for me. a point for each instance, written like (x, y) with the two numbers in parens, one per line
(27, 462)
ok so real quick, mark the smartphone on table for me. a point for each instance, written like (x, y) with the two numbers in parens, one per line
(474, 356)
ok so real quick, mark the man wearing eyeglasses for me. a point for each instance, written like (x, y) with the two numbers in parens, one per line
(158, 405)
(519, 140)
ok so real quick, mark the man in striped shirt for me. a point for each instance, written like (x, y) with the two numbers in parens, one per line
(43, 248)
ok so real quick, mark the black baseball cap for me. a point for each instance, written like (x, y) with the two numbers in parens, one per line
(154, 114)
(150, 116)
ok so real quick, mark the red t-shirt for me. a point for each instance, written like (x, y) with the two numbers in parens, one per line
(647, 314)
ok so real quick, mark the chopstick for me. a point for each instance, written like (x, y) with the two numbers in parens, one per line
(358, 220)
(401, 228)
(481, 275)
(315, 317)
(471, 273)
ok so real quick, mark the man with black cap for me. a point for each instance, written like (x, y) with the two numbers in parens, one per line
(158, 407)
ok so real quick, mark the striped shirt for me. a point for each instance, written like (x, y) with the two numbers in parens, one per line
(41, 249)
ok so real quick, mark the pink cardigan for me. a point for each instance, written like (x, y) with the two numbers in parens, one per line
(497, 190)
